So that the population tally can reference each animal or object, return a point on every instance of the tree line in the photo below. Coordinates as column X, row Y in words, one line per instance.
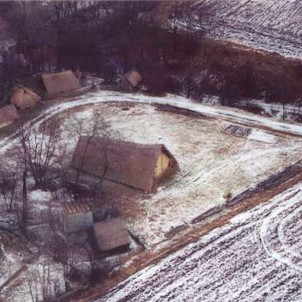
column 164, row 40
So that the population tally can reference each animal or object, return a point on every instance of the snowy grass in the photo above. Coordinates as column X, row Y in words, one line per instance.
column 212, row 164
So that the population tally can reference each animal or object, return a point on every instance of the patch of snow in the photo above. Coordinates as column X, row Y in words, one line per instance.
column 262, row 136
column 40, row 195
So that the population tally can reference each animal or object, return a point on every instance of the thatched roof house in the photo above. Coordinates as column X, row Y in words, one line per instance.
column 60, row 82
column 111, row 234
column 76, row 216
column 136, row 166
column 8, row 114
column 132, row 78
column 23, row 97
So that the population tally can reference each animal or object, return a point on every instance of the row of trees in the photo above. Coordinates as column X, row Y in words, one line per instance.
column 162, row 39
column 97, row 36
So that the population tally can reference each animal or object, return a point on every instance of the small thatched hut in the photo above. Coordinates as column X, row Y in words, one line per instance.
column 111, row 234
column 76, row 216
column 132, row 79
column 136, row 166
column 8, row 114
column 60, row 82
column 23, row 97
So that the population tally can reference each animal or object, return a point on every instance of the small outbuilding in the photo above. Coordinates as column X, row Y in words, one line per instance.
column 76, row 216
column 136, row 166
column 8, row 114
column 111, row 234
column 60, row 82
column 23, row 97
column 132, row 79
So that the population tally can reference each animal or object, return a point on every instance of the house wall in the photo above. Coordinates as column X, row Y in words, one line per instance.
column 162, row 164
column 77, row 221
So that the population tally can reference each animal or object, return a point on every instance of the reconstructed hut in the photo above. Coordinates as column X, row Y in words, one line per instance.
column 76, row 216
column 111, row 234
column 8, row 114
column 137, row 166
column 60, row 82
column 132, row 79
column 23, row 97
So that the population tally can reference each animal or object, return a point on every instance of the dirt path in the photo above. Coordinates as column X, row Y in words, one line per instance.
column 218, row 112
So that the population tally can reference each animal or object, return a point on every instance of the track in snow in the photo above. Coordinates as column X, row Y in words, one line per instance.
column 255, row 258
column 231, row 114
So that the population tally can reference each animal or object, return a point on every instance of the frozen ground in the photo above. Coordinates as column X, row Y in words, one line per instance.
column 270, row 25
column 257, row 257
column 213, row 165
column 38, row 281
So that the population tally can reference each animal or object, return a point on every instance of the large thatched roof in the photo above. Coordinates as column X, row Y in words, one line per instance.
column 111, row 234
column 8, row 114
column 60, row 82
column 122, row 162
column 23, row 97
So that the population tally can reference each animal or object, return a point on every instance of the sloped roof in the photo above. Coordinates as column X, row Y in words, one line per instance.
column 118, row 161
column 8, row 114
column 134, row 77
column 60, row 82
column 23, row 97
column 111, row 234
column 76, row 207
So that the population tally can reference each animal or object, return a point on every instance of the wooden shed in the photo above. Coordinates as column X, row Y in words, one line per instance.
column 76, row 216
column 60, row 82
column 111, row 234
column 137, row 166
column 8, row 114
column 132, row 79
column 23, row 97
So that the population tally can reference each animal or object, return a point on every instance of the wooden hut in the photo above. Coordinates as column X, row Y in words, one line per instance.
column 23, row 97
column 131, row 79
column 76, row 217
column 60, row 82
column 111, row 234
column 8, row 114
column 137, row 166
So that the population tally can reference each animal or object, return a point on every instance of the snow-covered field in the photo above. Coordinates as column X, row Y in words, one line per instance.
column 270, row 25
column 257, row 257
column 213, row 165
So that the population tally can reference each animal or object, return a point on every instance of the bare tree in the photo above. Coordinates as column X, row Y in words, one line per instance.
column 37, row 149
column 31, row 22
column 9, row 176
column 98, row 129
